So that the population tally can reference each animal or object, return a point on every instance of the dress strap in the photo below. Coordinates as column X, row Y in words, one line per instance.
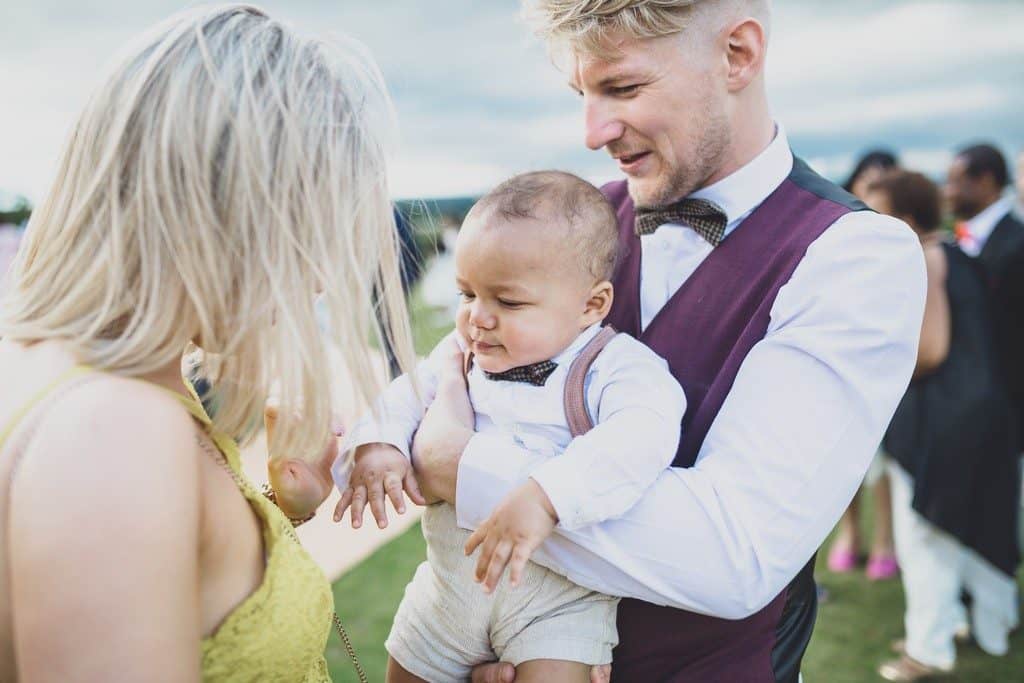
column 19, row 415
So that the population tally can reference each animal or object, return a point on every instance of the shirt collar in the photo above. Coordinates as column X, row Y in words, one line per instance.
column 982, row 225
column 577, row 345
column 742, row 191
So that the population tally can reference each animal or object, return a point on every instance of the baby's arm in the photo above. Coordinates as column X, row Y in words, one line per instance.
column 375, row 461
column 601, row 474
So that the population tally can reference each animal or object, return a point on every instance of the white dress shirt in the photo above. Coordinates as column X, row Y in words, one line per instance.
column 632, row 397
column 792, row 440
column 981, row 226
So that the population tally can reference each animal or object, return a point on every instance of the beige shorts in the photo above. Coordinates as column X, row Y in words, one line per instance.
column 446, row 624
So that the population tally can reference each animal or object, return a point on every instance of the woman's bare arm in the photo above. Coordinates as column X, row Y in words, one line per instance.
column 936, row 326
column 104, row 540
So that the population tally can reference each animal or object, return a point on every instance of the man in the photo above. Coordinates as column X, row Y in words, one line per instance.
column 788, row 311
column 1020, row 186
column 988, row 230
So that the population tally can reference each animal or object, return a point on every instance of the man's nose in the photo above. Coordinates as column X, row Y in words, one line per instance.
column 602, row 127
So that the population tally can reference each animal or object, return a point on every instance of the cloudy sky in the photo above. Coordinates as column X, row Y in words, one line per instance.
column 478, row 100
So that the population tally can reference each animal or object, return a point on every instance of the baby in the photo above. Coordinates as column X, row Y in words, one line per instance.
column 533, row 262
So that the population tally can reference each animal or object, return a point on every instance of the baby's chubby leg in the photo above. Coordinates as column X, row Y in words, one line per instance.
column 544, row 670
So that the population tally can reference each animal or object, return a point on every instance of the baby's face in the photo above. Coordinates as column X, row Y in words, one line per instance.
column 523, row 299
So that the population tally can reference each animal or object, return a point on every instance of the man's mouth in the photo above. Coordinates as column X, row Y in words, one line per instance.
column 631, row 162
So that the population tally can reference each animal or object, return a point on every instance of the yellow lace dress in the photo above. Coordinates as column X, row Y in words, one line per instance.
column 280, row 631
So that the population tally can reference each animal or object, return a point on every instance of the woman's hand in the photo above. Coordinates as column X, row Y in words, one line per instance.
column 300, row 487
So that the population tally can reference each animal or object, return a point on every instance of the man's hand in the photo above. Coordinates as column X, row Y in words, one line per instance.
column 380, row 470
column 509, row 536
column 445, row 430
column 300, row 487
column 503, row 672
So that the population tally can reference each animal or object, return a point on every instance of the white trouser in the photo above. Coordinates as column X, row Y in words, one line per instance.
column 935, row 568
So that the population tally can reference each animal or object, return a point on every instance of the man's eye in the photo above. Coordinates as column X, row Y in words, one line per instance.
column 624, row 90
column 467, row 296
column 510, row 304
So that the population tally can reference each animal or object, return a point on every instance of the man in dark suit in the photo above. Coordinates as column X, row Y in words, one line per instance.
column 988, row 231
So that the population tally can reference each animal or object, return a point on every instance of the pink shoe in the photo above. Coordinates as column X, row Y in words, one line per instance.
column 882, row 567
column 842, row 561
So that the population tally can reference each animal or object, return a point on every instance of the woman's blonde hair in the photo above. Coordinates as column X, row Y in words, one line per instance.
column 226, row 171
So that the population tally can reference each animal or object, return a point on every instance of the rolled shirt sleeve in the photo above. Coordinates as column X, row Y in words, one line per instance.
column 785, row 454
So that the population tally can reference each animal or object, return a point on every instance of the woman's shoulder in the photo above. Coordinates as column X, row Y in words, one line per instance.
column 111, row 431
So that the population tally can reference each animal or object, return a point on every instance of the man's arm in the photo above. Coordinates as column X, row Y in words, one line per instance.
column 787, row 451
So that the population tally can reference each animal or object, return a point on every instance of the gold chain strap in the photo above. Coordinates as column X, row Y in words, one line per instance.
column 218, row 457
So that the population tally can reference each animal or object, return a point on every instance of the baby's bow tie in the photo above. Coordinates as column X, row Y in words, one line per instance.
column 536, row 374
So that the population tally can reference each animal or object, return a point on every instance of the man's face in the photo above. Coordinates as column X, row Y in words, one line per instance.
column 966, row 196
column 659, row 109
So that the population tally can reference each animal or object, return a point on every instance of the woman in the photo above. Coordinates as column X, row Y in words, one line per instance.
column 844, row 554
column 955, row 463
column 226, row 172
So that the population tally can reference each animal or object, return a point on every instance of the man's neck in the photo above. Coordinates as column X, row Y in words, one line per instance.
column 750, row 136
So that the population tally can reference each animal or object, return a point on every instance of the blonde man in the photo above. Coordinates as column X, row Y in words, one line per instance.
column 789, row 313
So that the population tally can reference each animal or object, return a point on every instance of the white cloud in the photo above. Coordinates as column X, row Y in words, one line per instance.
column 873, row 112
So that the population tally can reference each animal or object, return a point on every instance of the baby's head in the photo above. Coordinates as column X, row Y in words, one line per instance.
column 533, row 262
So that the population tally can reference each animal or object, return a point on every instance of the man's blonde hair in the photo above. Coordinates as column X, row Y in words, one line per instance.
column 585, row 25
column 589, row 26
column 225, row 172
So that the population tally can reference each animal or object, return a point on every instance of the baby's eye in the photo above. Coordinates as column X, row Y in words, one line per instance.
column 624, row 90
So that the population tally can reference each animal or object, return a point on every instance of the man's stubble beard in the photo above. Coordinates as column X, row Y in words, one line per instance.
column 686, row 176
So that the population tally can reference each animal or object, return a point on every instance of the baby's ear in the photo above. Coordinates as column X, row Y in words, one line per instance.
column 599, row 302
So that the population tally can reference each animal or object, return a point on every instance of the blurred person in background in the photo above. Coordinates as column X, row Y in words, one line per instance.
column 987, row 229
column 844, row 554
column 209, row 190
column 952, row 440
column 1020, row 186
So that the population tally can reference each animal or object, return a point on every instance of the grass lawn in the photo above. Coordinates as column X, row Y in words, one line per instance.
column 852, row 636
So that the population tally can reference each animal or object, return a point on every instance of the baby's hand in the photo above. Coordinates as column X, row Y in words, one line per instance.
column 380, row 469
column 509, row 536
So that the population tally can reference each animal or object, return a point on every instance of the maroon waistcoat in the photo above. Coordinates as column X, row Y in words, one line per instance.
column 704, row 332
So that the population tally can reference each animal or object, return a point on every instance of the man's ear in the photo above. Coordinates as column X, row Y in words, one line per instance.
column 599, row 303
column 746, row 46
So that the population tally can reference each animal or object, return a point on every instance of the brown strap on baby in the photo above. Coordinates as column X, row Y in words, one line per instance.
column 575, row 398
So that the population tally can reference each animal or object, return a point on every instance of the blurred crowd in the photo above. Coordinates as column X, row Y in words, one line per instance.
column 947, row 479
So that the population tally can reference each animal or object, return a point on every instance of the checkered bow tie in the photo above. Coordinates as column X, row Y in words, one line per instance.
column 705, row 217
column 536, row 374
